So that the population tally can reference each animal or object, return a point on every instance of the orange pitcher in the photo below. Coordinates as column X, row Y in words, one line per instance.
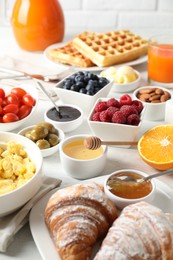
column 37, row 23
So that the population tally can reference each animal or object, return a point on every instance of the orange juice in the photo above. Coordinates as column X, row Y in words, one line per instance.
column 160, row 63
column 37, row 23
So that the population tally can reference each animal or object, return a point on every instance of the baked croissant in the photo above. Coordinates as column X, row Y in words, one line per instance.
column 76, row 217
column 142, row 232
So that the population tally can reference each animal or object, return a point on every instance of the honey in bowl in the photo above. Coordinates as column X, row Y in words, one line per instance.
column 77, row 150
column 130, row 189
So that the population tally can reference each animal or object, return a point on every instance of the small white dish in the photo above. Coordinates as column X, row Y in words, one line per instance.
column 153, row 111
column 48, row 151
column 125, row 87
column 65, row 126
column 79, row 168
column 121, row 202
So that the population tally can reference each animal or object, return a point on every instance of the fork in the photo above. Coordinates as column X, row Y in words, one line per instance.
column 24, row 75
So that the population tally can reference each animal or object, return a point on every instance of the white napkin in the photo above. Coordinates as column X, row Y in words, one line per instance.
column 9, row 225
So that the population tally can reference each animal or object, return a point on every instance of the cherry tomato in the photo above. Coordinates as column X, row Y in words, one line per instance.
column 2, row 93
column 13, row 99
column 1, row 101
column 10, row 108
column 28, row 100
column 1, row 119
column 9, row 117
column 1, row 110
column 24, row 111
column 20, row 92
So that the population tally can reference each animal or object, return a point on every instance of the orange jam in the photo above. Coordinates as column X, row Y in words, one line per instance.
column 160, row 63
column 130, row 189
column 77, row 150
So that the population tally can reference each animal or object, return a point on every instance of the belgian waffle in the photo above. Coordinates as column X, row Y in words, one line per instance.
column 68, row 54
column 111, row 48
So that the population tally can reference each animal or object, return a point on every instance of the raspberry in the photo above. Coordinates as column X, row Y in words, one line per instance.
column 100, row 106
column 112, row 102
column 104, row 117
column 118, row 117
column 133, row 119
column 111, row 110
column 125, row 100
column 128, row 110
column 96, row 116
column 138, row 104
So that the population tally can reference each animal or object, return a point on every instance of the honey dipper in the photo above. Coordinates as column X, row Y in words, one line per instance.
column 94, row 142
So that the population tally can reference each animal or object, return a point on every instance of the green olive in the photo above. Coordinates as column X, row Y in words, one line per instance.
column 39, row 132
column 52, row 139
column 29, row 135
column 49, row 126
column 43, row 144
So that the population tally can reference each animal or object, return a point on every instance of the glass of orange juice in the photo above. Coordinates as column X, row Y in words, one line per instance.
column 160, row 60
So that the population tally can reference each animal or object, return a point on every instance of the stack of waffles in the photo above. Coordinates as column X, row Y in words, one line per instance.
column 105, row 49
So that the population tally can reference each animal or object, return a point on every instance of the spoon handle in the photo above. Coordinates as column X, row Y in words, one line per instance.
column 157, row 175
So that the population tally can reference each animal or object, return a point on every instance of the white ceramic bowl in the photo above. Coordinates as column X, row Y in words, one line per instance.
column 30, row 89
column 123, row 202
column 126, row 87
column 15, row 199
column 81, row 169
column 49, row 151
column 113, row 131
column 153, row 111
column 84, row 101
column 66, row 126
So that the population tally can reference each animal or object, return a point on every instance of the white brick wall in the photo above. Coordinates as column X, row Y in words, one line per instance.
column 141, row 16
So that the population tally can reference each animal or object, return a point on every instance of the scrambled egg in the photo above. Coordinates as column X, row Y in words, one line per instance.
column 16, row 168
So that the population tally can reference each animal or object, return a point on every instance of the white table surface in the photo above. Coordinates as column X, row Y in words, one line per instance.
column 23, row 247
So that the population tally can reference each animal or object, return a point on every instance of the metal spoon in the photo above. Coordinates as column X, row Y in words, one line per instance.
column 131, row 179
column 47, row 94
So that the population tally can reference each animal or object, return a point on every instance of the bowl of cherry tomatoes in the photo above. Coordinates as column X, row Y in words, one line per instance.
column 17, row 105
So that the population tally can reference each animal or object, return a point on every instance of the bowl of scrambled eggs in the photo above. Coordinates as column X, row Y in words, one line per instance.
column 20, row 171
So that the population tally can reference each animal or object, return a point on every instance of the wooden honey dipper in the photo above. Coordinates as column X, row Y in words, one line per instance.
column 94, row 142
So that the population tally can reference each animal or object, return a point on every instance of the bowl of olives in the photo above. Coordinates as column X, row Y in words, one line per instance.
column 45, row 136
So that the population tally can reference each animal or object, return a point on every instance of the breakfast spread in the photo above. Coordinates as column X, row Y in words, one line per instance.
column 130, row 189
column 76, row 149
column 77, row 217
column 85, row 83
column 44, row 135
column 110, row 48
column 16, row 168
column 67, row 114
column 153, row 95
column 123, row 111
column 68, row 54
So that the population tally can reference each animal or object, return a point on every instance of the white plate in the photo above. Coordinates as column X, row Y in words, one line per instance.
column 138, row 61
column 45, row 245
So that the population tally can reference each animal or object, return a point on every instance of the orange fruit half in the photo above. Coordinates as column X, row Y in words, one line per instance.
column 156, row 147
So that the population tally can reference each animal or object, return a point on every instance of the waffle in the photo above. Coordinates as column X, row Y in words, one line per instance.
column 68, row 54
column 111, row 48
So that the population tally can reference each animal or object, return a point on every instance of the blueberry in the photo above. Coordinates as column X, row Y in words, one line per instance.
column 79, row 78
column 80, row 84
column 83, row 90
column 90, row 93
column 90, row 88
column 103, row 81
column 74, row 87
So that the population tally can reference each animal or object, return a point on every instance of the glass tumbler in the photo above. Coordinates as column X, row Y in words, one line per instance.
column 160, row 60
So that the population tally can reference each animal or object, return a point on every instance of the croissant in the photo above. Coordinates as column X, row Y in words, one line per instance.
column 142, row 232
column 77, row 216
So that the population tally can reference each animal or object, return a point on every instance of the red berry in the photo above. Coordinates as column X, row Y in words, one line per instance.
column 119, row 118
column 125, row 100
column 138, row 104
column 128, row 110
column 111, row 111
column 96, row 116
column 104, row 117
column 112, row 102
column 133, row 119
column 100, row 106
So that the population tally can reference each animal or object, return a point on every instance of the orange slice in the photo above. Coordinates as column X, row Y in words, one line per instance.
column 156, row 147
